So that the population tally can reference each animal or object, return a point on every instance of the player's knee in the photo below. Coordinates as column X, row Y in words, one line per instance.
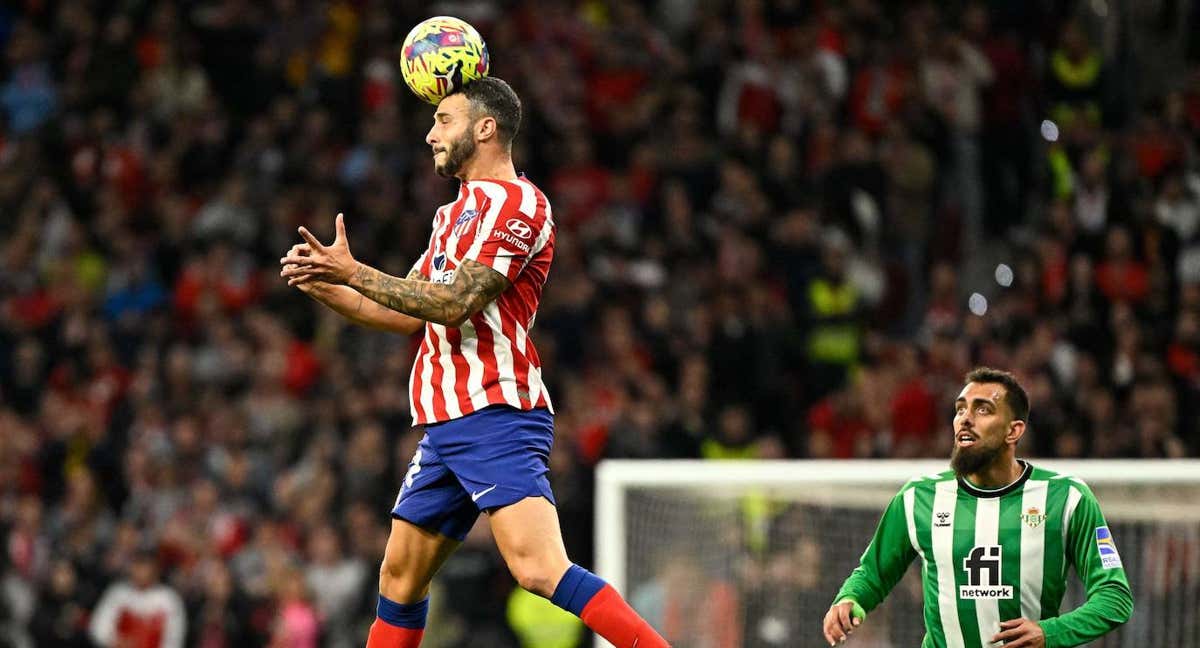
column 390, row 570
column 534, row 578
column 397, row 583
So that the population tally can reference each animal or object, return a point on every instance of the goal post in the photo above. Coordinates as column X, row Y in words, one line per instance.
column 746, row 534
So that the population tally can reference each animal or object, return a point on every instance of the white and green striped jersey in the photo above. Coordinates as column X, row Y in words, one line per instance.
column 993, row 555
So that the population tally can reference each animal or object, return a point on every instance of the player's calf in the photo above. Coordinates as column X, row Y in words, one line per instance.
column 528, row 537
column 602, row 609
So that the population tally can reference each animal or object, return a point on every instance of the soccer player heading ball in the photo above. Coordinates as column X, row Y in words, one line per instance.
column 995, row 535
column 476, row 383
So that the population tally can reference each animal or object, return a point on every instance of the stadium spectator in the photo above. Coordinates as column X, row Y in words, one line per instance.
column 139, row 611
column 337, row 583
column 63, row 609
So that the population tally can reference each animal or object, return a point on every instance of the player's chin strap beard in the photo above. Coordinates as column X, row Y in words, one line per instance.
column 966, row 461
column 459, row 152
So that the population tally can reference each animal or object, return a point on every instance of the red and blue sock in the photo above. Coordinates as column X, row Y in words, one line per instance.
column 602, row 609
column 398, row 625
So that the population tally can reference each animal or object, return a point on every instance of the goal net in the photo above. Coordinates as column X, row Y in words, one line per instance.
column 750, row 554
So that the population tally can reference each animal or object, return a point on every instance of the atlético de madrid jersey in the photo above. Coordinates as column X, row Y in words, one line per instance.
column 489, row 360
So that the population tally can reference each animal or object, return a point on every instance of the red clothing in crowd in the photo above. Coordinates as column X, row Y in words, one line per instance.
column 1126, row 281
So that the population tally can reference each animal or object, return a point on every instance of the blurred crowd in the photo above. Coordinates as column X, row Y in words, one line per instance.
column 786, row 229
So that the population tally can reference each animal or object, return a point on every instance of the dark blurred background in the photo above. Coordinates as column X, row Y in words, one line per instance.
column 786, row 229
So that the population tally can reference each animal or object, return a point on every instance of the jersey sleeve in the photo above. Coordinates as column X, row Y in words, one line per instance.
column 419, row 265
column 884, row 562
column 507, row 236
column 1090, row 547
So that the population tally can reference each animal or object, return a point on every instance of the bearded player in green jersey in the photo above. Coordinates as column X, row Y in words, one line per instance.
column 995, row 536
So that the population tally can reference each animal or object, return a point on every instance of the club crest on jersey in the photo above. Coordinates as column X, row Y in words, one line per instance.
column 463, row 222
column 1109, row 558
column 439, row 262
column 1033, row 517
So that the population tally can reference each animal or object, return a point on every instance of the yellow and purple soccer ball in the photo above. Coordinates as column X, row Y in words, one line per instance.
column 441, row 55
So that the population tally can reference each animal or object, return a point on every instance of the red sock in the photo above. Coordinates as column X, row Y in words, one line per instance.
column 386, row 635
column 609, row 616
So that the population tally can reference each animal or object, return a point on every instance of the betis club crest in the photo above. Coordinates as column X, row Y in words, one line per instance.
column 1033, row 517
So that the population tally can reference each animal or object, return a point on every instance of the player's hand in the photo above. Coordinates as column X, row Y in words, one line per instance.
column 839, row 623
column 304, row 282
column 331, row 263
column 1020, row 633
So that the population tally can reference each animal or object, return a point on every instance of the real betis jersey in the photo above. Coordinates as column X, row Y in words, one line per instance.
column 993, row 555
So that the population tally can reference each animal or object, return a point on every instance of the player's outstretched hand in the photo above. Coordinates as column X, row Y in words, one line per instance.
column 1020, row 633
column 331, row 263
column 840, row 622
column 303, row 281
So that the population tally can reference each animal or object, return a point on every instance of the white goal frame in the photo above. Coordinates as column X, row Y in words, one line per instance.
column 615, row 477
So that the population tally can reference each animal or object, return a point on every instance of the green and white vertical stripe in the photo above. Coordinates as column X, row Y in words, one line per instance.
column 945, row 498
column 1033, row 550
column 1018, row 521
column 992, row 556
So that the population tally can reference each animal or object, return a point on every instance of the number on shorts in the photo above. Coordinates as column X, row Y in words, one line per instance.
column 414, row 467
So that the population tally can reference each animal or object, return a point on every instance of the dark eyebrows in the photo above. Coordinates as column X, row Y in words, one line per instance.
column 976, row 401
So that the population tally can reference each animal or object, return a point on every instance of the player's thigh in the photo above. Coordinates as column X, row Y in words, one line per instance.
column 431, row 516
column 413, row 555
column 500, row 455
column 431, row 496
column 530, row 540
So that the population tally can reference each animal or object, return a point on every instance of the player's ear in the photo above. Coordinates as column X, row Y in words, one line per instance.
column 485, row 128
column 1016, row 430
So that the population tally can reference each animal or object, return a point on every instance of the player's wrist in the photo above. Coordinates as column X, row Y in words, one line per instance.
column 354, row 280
column 318, row 290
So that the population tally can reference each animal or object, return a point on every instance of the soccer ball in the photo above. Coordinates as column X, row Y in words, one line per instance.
column 440, row 55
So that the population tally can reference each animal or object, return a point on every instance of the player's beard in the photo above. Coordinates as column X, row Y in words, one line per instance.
column 459, row 151
column 972, row 460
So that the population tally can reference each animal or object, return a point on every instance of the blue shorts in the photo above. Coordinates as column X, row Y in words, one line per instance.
column 491, row 458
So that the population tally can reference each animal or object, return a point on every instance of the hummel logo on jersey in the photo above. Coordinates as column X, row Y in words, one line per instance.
column 982, row 565
column 519, row 227
column 943, row 519
column 477, row 494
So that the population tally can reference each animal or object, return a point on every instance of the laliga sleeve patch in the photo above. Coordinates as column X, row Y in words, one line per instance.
column 1109, row 558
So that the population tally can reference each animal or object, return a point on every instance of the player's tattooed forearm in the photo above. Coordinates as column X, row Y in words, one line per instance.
column 477, row 285
column 416, row 275
column 473, row 287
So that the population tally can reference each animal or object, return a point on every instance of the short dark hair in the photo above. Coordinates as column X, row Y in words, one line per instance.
column 1014, row 393
column 492, row 96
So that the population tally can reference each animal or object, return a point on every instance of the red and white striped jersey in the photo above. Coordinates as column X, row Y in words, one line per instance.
column 489, row 360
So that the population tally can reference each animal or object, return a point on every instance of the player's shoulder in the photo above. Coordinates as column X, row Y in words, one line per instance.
column 930, row 480
column 515, row 195
column 1064, row 479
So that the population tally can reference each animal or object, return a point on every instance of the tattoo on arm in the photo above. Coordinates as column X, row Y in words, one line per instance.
column 477, row 285
column 474, row 286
